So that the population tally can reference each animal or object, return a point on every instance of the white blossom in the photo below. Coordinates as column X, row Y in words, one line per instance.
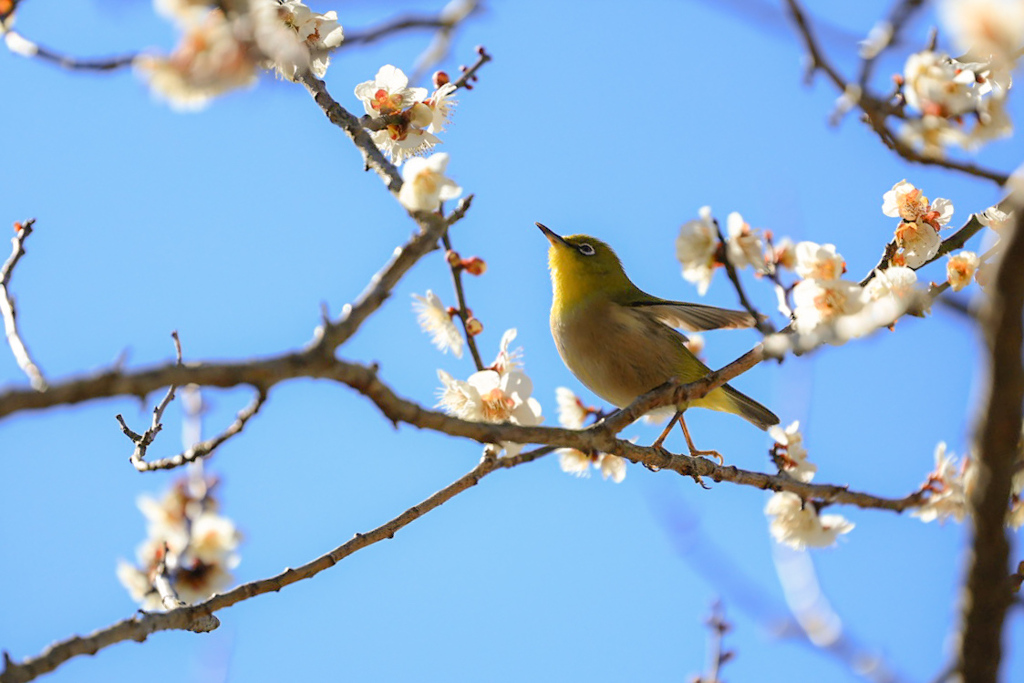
column 612, row 467
column 425, row 185
column 948, row 489
column 435, row 320
column 388, row 92
column 441, row 106
column 571, row 412
column 918, row 241
column 823, row 301
column 794, row 454
column 574, row 462
column 744, row 244
column 818, row 261
column 695, row 248
column 960, row 268
column 799, row 525
column 995, row 218
column 987, row 29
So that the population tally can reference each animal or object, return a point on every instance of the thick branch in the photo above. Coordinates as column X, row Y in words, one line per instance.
column 988, row 591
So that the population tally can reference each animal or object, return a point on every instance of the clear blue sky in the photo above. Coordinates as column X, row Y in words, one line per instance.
column 232, row 225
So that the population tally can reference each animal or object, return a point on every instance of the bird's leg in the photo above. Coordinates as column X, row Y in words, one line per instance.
column 671, row 423
column 693, row 449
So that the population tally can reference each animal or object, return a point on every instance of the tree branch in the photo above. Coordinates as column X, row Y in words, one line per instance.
column 7, row 309
column 988, row 593
column 141, row 626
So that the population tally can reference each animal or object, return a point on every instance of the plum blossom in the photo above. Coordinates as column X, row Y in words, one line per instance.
column 572, row 461
column 818, row 302
column 798, row 524
column 571, row 412
column 791, row 451
column 960, row 268
column 744, row 245
column 426, row 185
column 947, row 485
column 818, row 261
column 696, row 247
column 435, row 320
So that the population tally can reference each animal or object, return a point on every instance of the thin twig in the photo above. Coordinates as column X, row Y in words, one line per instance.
column 763, row 323
column 204, row 448
column 470, row 73
column 9, row 313
column 144, row 440
column 19, row 44
column 463, row 309
column 392, row 26
column 140, row 627
column 877, row 110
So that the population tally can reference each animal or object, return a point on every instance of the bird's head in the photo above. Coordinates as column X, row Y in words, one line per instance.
column 583, row 266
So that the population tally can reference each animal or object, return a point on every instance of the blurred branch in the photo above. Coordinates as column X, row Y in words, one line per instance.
column 21, row 45
column 202, row 449
column 876, row 110
column 393, row 26
column 900, row 14
column 200, row 615
column 143, row 441
column 717, row 654
column 9, row 313
column 988, row 588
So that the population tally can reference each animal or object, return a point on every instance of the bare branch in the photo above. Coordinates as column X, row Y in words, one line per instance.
column 140, row 627
column 143, row 441
column 764, row 325
column 21, row 45
column 9, row 313
column 205, row 448
column 393, row 26
column 877, row 110
column 988, row 588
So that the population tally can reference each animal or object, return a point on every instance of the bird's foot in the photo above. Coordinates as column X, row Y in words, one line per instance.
column 694, row 453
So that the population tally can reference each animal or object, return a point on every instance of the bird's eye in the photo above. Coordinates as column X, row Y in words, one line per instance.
column 586, row 249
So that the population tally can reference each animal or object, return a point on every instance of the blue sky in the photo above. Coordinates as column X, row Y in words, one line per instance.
column 232, row 225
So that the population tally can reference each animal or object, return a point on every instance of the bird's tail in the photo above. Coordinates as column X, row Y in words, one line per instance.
column 747, row 408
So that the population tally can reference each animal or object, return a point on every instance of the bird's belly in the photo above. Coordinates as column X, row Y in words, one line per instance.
column 616, row 356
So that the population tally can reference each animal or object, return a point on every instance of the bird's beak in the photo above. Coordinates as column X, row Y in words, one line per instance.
column 552, row 236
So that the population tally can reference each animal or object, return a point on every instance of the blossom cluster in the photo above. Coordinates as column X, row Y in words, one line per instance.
column 950, row 484
column 572, row 414
column 700, row 251
column 794, row 522
column 224, row 48
column 950, row 93
column 187, row 537
column 499, row 393
column 410, row 118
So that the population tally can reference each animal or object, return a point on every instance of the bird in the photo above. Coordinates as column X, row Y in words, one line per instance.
column 620, row 341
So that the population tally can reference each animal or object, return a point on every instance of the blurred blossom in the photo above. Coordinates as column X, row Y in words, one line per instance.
column 995, row 218
column 783, row 254
column 793, row 453
column 425, row 185
column 818, row 261
column 948, row 489
column 960, row 268
column 578, row 463
column 200, row 547
column 695, row 248
column 992, row 30
column 316, row 34
column 799, row 525
column 571, row 411
column 744, row 245
column 435, row 320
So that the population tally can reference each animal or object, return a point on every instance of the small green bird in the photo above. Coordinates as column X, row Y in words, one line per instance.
column 619, row 340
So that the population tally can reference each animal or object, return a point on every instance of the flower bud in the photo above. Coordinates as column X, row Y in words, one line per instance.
column 453, row 258
column 475, row 265
column 474, row 327
column 440, row 78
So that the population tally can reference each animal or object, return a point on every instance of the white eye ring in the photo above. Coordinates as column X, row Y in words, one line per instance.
column 586, row 249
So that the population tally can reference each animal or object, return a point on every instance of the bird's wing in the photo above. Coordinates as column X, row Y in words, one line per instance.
column 694, row 317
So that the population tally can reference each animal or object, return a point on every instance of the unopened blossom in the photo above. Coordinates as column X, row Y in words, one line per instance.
column 209, row 61
column 388, row 92
column 571, row 412
column 696, row 246
column 818, row 261
column 947, row 485
column 744, row 245
column 426, row 185
column 794, row 455
column 960, row 268
column 918, row 241
column 818, row 302
column 878, row 39
column 799, row 525
column 435, row 320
